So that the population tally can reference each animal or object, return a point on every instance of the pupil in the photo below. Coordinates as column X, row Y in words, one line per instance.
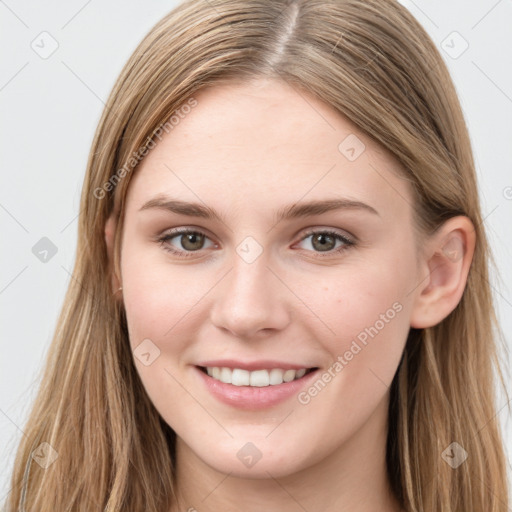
column 321, row 239
column 192, row 241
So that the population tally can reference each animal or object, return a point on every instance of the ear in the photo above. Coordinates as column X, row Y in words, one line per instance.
column 110, row 231
column 446, row 263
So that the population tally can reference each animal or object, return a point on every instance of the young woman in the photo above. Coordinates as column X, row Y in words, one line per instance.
column 280, row 299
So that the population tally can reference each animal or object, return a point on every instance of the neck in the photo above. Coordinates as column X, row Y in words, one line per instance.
column 352, row 478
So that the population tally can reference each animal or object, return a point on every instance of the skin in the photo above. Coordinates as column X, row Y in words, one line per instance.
column 247, row 150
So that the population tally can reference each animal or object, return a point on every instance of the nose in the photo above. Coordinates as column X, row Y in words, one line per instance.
column 251, row 300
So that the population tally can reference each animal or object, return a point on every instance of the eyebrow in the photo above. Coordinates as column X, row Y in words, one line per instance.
column 292, row 211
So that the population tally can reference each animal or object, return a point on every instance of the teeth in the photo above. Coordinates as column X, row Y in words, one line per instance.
column 257, row 378
column 240, row 377
column 225, row 375
column 300, row 373
column 276, row 376
column 289, row 375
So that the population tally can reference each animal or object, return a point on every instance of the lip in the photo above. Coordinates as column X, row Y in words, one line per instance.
column 254, row 365
column 254, row 398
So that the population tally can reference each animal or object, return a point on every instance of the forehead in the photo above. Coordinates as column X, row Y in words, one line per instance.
column 252, row 145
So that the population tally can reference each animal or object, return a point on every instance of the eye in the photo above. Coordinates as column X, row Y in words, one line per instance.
column 188, row 240
column 324, row 241
column 191, row 240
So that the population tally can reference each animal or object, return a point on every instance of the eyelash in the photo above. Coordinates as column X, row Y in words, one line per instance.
column 348, row 243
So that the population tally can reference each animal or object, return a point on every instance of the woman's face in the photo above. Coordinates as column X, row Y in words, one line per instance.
column 300, row 255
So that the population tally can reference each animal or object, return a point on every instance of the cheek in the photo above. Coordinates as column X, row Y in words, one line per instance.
column 158, row 296
column 369, row 317
column 159, row 304
column 351, row 298
column 367, row 309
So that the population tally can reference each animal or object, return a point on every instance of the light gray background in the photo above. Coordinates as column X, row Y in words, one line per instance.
column 50, row 109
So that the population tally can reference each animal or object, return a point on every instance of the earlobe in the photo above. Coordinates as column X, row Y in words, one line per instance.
column 110, row 231
column 448, row 259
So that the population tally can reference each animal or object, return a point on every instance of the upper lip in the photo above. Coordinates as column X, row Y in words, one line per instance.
column 253, row 365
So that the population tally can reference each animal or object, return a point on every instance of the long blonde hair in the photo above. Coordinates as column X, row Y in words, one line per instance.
column 371, row 61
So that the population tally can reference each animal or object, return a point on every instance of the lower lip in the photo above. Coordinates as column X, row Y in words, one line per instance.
column 253, row 398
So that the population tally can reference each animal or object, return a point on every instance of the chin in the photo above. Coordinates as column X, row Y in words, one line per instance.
column 258, row 458
column 264, row 468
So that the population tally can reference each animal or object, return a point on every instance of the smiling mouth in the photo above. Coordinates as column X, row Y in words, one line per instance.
column 256, row 378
